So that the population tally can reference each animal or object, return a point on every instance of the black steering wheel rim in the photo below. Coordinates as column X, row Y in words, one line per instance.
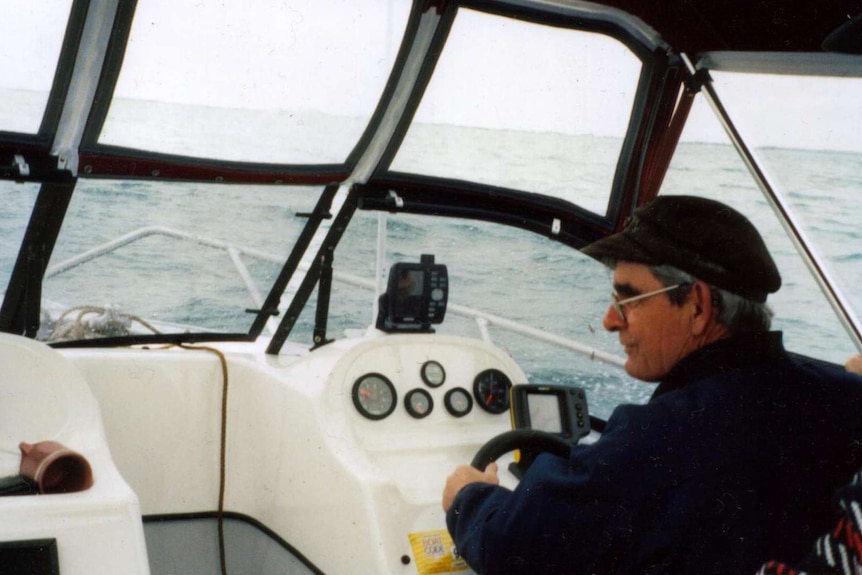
column 524, row 439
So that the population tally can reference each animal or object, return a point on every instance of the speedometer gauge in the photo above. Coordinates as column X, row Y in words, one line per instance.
column 491, row 389
column 374, row 396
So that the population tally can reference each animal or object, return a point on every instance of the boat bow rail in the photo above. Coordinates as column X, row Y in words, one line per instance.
column 483, row 319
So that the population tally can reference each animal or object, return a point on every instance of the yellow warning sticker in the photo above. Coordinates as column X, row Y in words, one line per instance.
column 434, row 552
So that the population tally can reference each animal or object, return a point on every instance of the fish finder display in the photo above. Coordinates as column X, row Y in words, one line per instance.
column 557, row 409
column 544, row 411
column 415, row 298
column 408, row 294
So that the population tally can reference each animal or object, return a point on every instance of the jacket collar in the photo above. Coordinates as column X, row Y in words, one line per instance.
column 721, row 356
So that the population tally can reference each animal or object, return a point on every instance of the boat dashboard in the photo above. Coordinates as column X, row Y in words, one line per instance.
column 416, row 405
column 350, row 443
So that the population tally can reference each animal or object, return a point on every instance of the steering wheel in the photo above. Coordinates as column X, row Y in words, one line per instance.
column 523, row 439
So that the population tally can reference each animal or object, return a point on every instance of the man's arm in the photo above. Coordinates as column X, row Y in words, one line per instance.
column 564, row 511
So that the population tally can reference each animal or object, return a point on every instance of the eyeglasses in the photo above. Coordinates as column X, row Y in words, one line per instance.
column 619, row 303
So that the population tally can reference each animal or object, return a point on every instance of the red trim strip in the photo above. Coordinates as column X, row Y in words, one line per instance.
column 114, row 165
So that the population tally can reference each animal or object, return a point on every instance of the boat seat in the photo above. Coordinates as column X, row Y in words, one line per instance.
column 44, row 397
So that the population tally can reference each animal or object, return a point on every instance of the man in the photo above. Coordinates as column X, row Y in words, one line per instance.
column 732, row 461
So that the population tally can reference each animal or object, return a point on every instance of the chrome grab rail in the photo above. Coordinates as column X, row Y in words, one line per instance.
column 482, row 319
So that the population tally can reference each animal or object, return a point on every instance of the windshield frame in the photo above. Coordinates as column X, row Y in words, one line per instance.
column 552, row 217
column 366, row 173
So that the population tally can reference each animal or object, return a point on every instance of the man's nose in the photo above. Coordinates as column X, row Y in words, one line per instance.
column 612, row 320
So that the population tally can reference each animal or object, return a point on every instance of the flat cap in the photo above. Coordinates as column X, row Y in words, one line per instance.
column 708, row 239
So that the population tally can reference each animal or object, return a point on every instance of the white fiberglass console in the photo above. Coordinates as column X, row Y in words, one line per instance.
column 43, row 397
column 340, row 453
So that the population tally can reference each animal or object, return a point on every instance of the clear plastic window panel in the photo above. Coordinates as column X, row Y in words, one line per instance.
column 805, row 131
column 31, row 34
column 540, row 286
column 820, row 185
column 17, row 201
column 254, row 81
column 525, row 106
column 146, row 257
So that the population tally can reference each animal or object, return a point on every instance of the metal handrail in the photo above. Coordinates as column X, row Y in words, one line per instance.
column 482, row 319
column 779, row 204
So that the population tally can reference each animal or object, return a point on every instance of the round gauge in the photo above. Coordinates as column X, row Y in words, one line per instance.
column 433, row 374
column 491, row 388
column 418, row 403
column 458, row 402
column 374, row 396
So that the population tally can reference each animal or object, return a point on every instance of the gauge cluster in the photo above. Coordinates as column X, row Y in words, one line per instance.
column 445, row 381
column 410, row 407
column 375, row 396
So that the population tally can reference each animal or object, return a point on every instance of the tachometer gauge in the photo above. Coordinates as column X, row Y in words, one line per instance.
column 491, row 389
column 433, row 374
column 374, row 396
column 458, row 402
column 418, row 403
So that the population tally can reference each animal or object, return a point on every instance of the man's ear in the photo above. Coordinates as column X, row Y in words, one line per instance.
column 700, row 299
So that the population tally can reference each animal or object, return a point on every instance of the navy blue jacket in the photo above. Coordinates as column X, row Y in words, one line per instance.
column 732, row 461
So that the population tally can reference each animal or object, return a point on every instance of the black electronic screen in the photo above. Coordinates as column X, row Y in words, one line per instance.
column 415, row 297
column 557, row 409
column 545, row 412
column 409, row 295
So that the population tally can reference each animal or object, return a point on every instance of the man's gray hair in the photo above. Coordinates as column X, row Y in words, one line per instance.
column 738, row 314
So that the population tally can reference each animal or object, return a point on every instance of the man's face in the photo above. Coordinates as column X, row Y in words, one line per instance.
column 655, row 334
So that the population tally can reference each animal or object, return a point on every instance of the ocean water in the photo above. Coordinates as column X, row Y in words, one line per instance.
column 499, row 270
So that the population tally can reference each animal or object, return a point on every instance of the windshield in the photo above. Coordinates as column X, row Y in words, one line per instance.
column 235, row 88
column 539, row 300
column 142, row 257
column 527, row 107
column 811, row 150
column 139, row 252
column 18, row 201
column 813, row 155
column 28, row 28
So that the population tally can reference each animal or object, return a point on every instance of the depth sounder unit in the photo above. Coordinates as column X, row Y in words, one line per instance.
column 559, row 410
column 415, row 297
